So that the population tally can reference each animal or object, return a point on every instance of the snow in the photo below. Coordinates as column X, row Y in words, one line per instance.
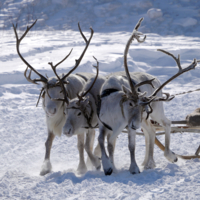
column 186, row 22
column 154, row 13
column 22, row 125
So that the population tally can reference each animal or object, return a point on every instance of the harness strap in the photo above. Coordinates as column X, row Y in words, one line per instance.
column 105, row 93
column 98, row 112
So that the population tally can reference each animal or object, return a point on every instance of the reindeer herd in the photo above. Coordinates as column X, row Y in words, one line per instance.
column 77, row 104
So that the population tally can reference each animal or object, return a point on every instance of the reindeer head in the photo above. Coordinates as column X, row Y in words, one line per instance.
column 134, row 103
column 52, row 87
column 80, row 112
column 51, row 90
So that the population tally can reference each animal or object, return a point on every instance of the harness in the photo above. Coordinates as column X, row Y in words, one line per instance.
column 106, row 93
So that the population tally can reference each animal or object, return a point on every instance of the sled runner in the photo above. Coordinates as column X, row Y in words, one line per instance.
column 191, row 125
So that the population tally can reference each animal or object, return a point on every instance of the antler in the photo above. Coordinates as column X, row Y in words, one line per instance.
column 60, row 82
column 167, row 97
column 18, row 41
column 147, row 100
column 136, row 35
column 80, row 58
column 84, row 93
column 144, row 83
column 181, row 70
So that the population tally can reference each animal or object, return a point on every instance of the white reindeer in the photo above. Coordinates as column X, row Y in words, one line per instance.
column 81, row 118
column 54, row 110
column 128, row 100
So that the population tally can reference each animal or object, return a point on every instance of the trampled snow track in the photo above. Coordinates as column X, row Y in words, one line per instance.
column 23, row 131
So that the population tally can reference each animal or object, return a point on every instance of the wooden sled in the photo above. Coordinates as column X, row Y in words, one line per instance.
column 177, row 127
column 180, row 127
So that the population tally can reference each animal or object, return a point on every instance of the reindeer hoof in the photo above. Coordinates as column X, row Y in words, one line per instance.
column 46, row 168
column 44, row 172
column 138, row 172
column 134, row 169
column 150, row 165
column 171, row 156
column 135, row 172
column 82, row 170
column 176, row 159
column 108, row 172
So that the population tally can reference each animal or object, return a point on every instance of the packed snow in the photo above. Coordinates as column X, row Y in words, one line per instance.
column 170, row 25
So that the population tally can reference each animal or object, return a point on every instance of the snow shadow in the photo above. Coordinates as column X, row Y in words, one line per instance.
column 122, row 176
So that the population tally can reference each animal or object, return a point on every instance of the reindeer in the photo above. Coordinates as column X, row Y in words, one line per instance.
column 81, row 117
column 54, row 110
column 129, row 100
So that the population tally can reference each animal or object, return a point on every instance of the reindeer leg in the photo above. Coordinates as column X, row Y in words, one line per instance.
column 107, row 165
column 89, row 148
column 149, row 133
column 89, row 143
column 159, row 116
column 46, row 166
column 166, row 123
column 168, row 153
column 146, row 151
column 134, row 169
column 111, row 147
column 97, row 151
column 80, row 145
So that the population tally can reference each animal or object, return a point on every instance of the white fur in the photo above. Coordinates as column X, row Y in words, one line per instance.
column 134, row 117
column 56, row 123
column 54, row 110
column 76, row 122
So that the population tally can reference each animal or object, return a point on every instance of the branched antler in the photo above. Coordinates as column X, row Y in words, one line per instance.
column 80, row 58
column 80, row 97
column 181, row 70
column 135, row 34
column 144, row 83
column 169, row 97
column 145, row 101
column 18, row 41
column 59, row 82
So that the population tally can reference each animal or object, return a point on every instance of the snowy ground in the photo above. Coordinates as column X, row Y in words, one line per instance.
column 23, row 130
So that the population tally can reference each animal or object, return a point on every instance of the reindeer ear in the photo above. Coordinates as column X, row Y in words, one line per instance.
column 126, row 90
column 87, row 110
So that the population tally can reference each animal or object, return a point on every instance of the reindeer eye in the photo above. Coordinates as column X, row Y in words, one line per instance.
column 79, row 114
column 130, row 104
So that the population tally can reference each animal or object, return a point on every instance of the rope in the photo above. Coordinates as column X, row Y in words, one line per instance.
column 190, row 91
